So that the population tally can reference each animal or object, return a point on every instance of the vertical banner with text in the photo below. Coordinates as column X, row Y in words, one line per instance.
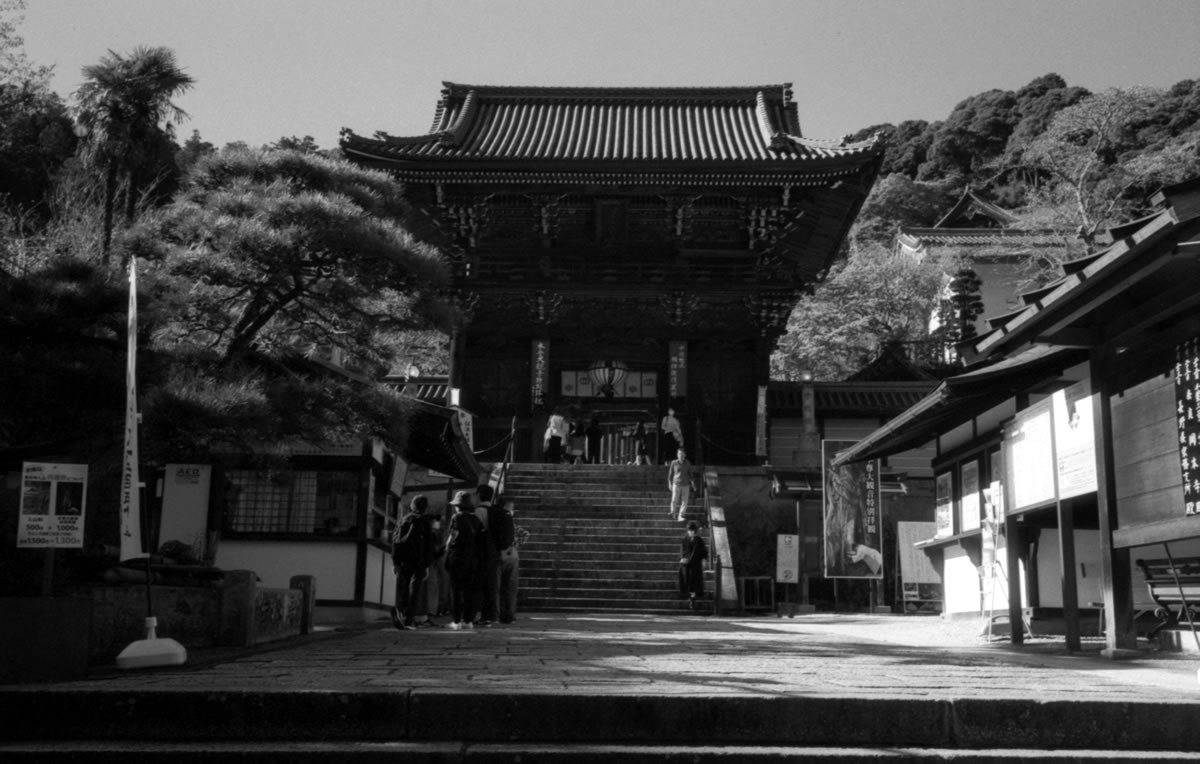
column 1187, row 412
column 677, row 362
column 131, row 511
column 853, row 525
column 539, row 367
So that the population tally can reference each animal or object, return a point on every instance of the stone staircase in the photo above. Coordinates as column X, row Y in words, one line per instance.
column 601, row 539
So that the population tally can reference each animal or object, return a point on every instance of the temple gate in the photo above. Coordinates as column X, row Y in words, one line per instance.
column 621, row 251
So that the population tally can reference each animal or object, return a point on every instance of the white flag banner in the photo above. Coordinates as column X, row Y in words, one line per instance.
column 131, row 515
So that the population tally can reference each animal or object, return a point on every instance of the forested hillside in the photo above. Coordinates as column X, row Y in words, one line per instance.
column 1061, row 158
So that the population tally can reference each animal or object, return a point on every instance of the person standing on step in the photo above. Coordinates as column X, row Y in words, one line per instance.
column 413, row 549
column 642, row 457
column 555, row 437
column 508, row 539
column 672, row 434
column 679, row 483
column 595, row 434
column 692, row 554
column 462, row 560
column 489, row 559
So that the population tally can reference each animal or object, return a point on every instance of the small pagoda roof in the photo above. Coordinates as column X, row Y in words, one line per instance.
column 973, row 222
column 573, row 128
column 971, row 209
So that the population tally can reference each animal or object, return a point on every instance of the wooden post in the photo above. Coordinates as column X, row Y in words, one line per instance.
column 1012, row 549
column 1116, row 578
column 1066, row 558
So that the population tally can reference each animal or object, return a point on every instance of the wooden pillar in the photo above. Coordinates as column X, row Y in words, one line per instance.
column 457, row 355
column 1012, row 550
column 1066, row 559
column 1116, row 579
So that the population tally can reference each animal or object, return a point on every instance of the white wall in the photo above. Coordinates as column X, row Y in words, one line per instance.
column 275, row 562
column 963, row 585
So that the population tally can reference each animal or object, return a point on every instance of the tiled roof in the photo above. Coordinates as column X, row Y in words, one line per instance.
column 971, row 202
column 735, row 126
column 868, row 399
column 915, row 237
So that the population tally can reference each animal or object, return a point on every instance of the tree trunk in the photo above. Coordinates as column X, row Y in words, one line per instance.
column 110, row 194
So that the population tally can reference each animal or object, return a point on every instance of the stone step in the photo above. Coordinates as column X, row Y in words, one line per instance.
column 142, row 724
column 587, row 569
column 602, row 558
column 438, row 752
column 632, row 586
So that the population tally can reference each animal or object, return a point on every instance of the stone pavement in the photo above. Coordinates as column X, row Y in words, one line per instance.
column 819, row 654
column 855, row 682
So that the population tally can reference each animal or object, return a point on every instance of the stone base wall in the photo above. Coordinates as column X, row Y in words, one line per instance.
column 234, row 612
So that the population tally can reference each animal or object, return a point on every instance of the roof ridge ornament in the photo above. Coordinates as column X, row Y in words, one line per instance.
column 454, row 134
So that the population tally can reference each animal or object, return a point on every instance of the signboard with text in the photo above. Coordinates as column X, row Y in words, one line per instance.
column 539, row 365
column 1187, row 411
column 853, row 526
column 787, row 558
column 52, row 505
column 677, row 369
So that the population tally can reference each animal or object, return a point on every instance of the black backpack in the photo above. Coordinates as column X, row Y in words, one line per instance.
column 500, row 527
column 462, row 544
column 408, row 540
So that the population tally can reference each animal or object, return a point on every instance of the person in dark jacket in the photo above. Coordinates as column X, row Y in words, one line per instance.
column 413, row 551
column 463, row 552
column 692, row 554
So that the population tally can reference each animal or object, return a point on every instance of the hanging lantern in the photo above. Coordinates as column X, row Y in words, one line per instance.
column 607, row 375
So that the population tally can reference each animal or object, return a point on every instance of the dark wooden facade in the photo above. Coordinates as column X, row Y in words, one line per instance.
column 669, row 229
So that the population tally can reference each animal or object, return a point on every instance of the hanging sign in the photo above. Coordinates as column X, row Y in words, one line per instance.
column 539, row 365
column 943, row 512
column 1074, row 441
column 52, row 505
column 1187, row 416
column 1030, row 470
column 853, row 527
column 760, row 423
column 677, row 369
column 787, row 558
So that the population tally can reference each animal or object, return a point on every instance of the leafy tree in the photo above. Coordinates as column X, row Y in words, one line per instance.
column 873, row 299
column 121, row 110
column 268, row 258
column 897, row 201
column 974, row 135
column 60, row 329
column 307, row 144
column 1086, row 155
column 192, row 151
column 36, row 134
column 965, row 302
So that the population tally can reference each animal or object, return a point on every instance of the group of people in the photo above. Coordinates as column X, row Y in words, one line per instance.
column 479, row 558
column 571, row 441
column 481, row 561
column 574, row 442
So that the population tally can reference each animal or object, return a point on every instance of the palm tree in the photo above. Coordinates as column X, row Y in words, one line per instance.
column 120, row 109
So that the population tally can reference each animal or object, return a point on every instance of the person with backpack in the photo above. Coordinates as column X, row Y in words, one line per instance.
column 463, row 546
column 413, row 549
column 508, row 538
column 489, row 559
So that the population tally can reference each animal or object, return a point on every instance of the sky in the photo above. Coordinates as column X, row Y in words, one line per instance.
column 265, row 69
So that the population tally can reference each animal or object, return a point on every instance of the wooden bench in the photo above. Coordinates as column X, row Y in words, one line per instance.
column 1175, row 589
